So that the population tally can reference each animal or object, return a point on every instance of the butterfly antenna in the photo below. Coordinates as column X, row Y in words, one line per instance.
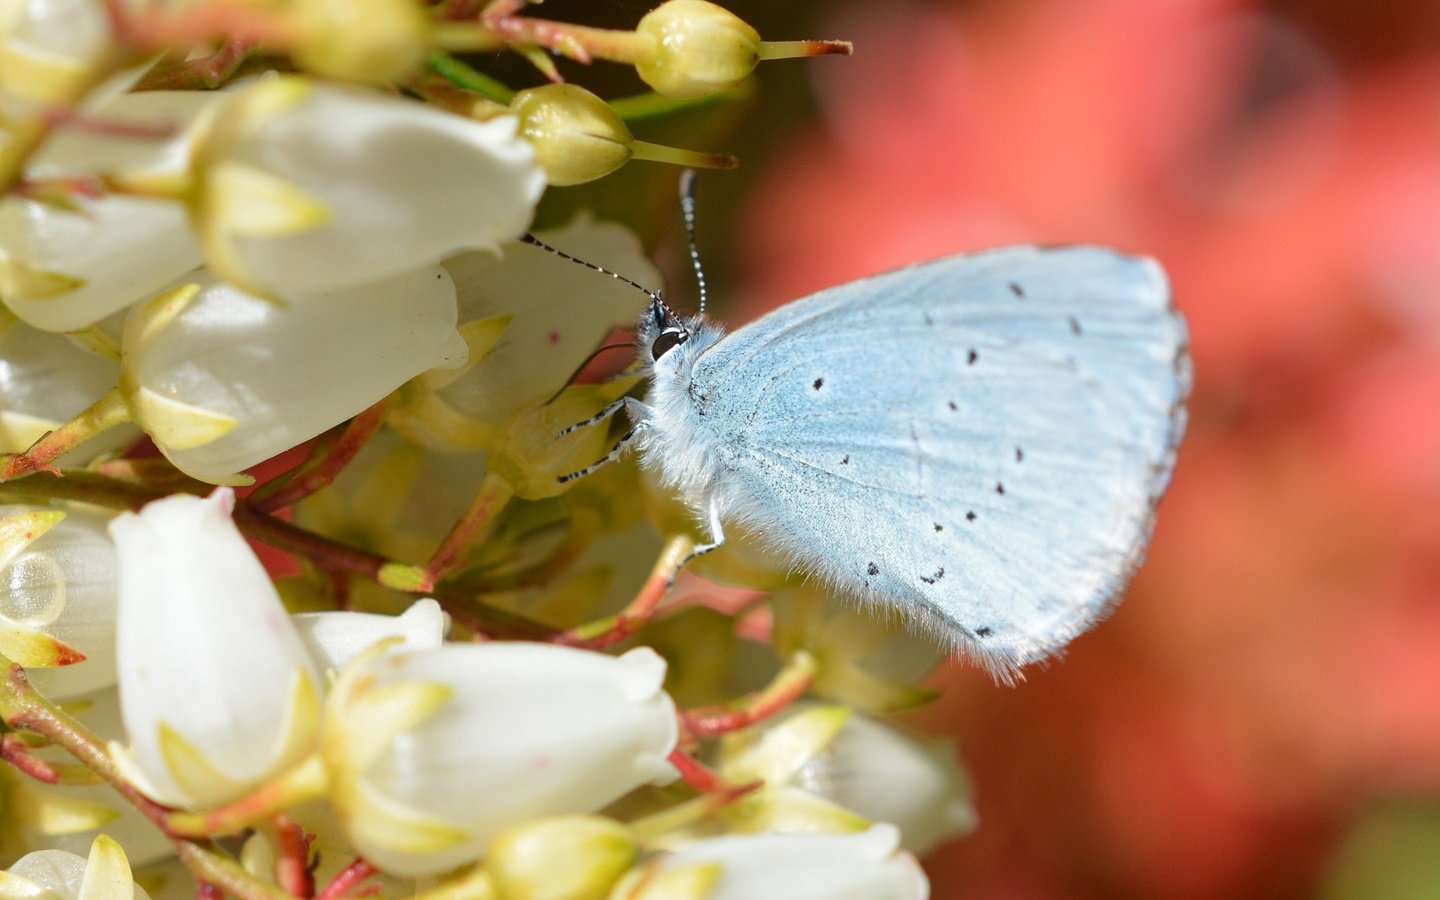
column 687, row 209
column 536, row 242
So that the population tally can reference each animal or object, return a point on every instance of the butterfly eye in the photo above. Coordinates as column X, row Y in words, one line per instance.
column 667, row 341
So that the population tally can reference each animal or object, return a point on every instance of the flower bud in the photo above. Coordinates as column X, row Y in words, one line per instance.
column 58, row 875
column 377, row 41
column 216, row 689
column 698, row 48
column 577, row 137
column 57, row 583
column 574, row 857
column 214, row 375
column 305, row 187
column 65, row 269
column 791, row 867
column 413, row 738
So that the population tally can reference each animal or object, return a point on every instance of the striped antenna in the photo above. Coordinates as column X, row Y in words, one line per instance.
column 536, row 242
column 687, row 208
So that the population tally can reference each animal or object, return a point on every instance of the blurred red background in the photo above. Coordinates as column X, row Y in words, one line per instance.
column 1273, row 679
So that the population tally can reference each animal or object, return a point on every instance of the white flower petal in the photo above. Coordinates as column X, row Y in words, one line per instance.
column 335, row 638
column 269, row 375
column 205, row 647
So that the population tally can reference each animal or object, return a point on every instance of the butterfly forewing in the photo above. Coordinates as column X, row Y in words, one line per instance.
column 978, row 442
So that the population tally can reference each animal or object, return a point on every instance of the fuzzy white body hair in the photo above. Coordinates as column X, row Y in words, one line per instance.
column 977, row 444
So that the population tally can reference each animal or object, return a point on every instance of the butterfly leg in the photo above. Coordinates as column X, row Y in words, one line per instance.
column 637, row 411
column 717, row 538
column 613, row 455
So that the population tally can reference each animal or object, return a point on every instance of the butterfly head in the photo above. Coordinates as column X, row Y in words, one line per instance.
column 660, row 331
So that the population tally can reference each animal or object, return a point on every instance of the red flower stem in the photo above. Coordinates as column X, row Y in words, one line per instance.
column 788, row 684
column 293, row 869
column 89, row 487
column 696, row 774
column 613, row 629
column 14, row 751
column 347, row 880
column 494, row 493
column 320, row 472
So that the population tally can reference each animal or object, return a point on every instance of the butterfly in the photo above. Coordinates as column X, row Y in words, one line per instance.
column 978, row 443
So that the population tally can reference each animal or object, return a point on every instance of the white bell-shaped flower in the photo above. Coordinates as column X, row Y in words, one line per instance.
column 57, row 584
column 59, row 875
column 562, row 311
column 222, row 380
column 335, row 638
column 433, row 752
column 305, row 187
column 867, row 865
column 216, row 687
column 45, row 379
column 889, row 775
column 46, row 46
column 65, row 269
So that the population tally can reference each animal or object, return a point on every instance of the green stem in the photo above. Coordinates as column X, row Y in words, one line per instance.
column 463, row 76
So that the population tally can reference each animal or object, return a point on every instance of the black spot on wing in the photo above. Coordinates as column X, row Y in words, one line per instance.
column 1016, row 289
column 1019, row 455
column 971, row 356
column 819, row 383
column 970, row 516
column 999, row 488
column 984, row 631
column 939, row 574
column 872, row 569
column 939, row 527
column 1074, row 324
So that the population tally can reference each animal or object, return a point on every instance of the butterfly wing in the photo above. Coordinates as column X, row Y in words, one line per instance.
column 978, row 442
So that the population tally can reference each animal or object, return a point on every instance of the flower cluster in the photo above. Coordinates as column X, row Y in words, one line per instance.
column 267, row 282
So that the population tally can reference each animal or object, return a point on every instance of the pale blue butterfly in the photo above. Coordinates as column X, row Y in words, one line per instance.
column 977, row 442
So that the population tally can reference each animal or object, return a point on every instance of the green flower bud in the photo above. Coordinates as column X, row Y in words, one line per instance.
column 577, row 137
column 570, row 857
column 698, row 48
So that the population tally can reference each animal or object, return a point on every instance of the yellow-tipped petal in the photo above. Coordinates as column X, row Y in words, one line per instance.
column 245, row 202
column 107, row 873
column 376, row 820
column 35, row 649
column 375, row 717
column 58, row 812
column 175, row 425
column 158, row 313
column 29, row 283
column 20, row 530
column 480, row 337
column 302, row 719
column 686, row 882
column 191, row 771
column 784, row 748
column 792, row 811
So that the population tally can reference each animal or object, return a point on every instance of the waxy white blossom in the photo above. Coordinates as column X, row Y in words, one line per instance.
column 45, row 379
column 433, row 752
column 306, row 187
column 60, row 875
column 887, row 774
column 58, row 583
column 222, row 379
column 65, row 269
column 867, row 865
column 216, row 687
column 567, row 310
column 335, row 638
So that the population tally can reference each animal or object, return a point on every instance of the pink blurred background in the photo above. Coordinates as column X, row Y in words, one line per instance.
column 1271, row 685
